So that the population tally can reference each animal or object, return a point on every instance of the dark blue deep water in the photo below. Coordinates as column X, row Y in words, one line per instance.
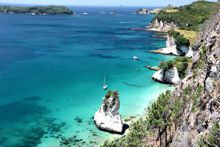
column 52, row 69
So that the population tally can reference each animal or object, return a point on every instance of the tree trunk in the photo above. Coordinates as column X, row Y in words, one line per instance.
column 160, row 137
column 165, row 136
column 170, row 129
column 175, row 125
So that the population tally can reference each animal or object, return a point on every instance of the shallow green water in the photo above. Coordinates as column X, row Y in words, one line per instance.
column 52, row 69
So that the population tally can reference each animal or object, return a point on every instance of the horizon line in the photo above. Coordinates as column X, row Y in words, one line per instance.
column 78, row 5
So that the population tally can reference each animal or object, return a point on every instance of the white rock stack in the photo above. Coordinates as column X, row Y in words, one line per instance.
column 107, row 118
column 170, row 76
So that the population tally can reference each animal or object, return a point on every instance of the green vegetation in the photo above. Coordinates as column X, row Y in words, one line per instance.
column 180, row 40
column 195, row 96
column 37, row 10
column 200, row 64
column 109, row 94
column 162, row 117
column 159, row 119
column 190, row 17
column 181, row 64
column 159, row 115
column 214, row 136
column 138, row 130
column 212, row 139
column 191, row 35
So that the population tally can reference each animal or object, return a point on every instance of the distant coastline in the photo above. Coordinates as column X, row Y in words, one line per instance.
column 36, row 10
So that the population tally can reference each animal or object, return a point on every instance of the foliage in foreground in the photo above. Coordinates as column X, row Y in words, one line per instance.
column 212, row 139
column 138, row 130
column 158, row 118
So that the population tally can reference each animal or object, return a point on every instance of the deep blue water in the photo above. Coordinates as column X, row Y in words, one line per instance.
column 52, row 69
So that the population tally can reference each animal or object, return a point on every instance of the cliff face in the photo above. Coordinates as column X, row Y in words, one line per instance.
column 162, row 26
column 202, row 110
column 170, row 76
column 172, row 49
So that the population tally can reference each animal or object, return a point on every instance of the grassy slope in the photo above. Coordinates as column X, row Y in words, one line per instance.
column 190, row 17
column 191, row 35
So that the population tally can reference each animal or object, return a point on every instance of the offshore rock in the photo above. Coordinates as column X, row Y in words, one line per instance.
column 107, row 118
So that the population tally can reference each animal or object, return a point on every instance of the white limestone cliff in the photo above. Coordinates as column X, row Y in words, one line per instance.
column 171, row 49
column 161, row 26
column 170, row 76
column 107, row 118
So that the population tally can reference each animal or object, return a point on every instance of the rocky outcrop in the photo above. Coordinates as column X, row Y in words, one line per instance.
column 200, row 116
column 155, row 68
column 161, row 26
column 169, row 76
column 189, row 53
column 142, row 11
column 107, row 118
column 155, row 11
column 172, row 49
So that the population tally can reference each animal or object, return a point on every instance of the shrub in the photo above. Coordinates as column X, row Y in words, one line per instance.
column 196, row 96
column 181, row 64
column 180, row 40
column 212, row 139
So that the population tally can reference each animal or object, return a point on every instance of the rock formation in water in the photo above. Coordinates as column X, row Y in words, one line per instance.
column 107, row 118
column 169, row 76
column 172, row 49
column 161, row 26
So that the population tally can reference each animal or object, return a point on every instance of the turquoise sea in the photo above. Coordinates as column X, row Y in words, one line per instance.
column 52, row 69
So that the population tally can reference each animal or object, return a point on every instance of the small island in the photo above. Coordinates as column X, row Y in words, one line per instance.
column 37, row 10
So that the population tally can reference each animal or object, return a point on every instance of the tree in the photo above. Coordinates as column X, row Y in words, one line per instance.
column 159, row 115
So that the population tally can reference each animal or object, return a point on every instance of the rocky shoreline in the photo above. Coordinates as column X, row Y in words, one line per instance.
column 190, row 115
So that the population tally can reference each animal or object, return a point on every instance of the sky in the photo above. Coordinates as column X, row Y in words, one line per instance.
column 102, row 2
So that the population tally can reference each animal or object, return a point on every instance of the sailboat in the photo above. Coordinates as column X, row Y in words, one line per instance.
column 105, row 86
